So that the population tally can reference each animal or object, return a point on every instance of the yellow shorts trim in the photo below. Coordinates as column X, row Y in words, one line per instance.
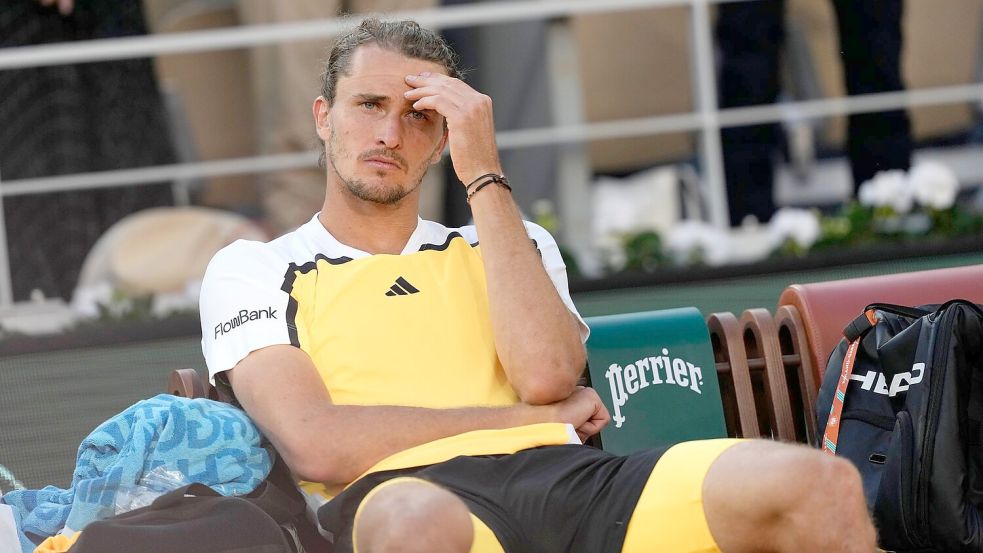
column 669, row 515
column 484, row 539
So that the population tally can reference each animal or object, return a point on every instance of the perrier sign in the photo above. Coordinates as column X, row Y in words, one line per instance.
column 656, row 375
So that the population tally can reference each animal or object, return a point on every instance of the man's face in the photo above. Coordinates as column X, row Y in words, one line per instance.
column 377, row 145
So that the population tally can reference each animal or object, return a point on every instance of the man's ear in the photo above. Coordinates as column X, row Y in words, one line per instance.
column 439, row 150
column 321, row 110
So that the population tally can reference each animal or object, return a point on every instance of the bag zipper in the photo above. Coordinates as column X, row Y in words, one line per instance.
column 905, row 434
column 939, row 357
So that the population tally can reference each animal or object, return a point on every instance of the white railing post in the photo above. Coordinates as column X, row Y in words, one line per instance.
column 573, row 169
column 6, row 283
column 705, row 87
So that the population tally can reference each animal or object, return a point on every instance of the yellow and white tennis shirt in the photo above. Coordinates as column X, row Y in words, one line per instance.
column 410, row 329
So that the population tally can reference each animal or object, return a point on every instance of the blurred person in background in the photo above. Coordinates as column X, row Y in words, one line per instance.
column 79, row 118
column 751, row 36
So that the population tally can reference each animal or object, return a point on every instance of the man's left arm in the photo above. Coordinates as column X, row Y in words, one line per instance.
column 537, row 337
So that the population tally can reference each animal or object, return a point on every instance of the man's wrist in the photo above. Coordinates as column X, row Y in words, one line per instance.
column 534, row 414
column 472, row 176
column 484, row 181
column 469, row 172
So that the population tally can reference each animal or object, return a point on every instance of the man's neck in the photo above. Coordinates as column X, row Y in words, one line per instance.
column 368, row 226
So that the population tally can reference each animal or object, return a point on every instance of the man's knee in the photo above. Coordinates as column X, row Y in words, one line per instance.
column 409, row 515
column 768, row 496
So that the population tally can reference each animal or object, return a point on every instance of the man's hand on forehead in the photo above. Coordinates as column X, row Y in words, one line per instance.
column 470, row 121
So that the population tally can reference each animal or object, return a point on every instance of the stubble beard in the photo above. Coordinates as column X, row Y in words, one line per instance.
column 380, row 194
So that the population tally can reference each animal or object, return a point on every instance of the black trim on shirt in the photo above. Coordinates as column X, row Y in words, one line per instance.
column 445, row 245
column 474, row 244
column 288, row 285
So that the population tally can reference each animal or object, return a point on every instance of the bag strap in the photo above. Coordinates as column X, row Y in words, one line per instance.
column 854, row 332
column 903, row 310
column 272, row 500
column 965, row 303
column 974, row 407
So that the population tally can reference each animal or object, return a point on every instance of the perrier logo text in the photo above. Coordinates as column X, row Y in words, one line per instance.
column 649, row 371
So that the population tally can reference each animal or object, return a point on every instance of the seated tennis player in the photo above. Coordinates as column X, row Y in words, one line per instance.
column 421, row 380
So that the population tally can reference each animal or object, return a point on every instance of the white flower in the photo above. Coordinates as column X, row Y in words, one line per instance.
column 166, row 303
column 934, row 185
column 689, row 237
column 888, row 189
column 799, row 225
column 86, row 299
column 869, row 194
column 611, row 251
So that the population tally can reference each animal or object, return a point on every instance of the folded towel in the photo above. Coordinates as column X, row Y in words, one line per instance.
column 206, row 441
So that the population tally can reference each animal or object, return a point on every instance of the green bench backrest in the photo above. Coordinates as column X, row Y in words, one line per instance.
column 656, row 374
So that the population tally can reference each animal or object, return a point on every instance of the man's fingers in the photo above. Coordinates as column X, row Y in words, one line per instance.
column 449, row 85
column 427, row 77
column 423, row 91
column 433, row 90
column 587, row 430
column 603, row 415
column 428, row 102
column 455, row 97
column 440, row 104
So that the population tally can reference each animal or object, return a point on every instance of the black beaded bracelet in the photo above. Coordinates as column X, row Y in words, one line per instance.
column 491, row 178
column 467, row 189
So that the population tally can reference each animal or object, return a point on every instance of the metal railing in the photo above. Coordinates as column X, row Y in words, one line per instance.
column 707, row 120
column 447, row 17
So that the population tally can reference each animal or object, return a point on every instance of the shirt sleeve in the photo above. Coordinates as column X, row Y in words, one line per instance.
column 242, row 305
column 556, row 269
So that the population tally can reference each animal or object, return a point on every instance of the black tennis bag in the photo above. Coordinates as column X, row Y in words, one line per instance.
column 196, row 519
column 912, row 406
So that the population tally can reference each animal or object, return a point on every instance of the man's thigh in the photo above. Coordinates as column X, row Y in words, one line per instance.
column 551, row 499
column 750, row 496
column 763, row 495
column 669, row 515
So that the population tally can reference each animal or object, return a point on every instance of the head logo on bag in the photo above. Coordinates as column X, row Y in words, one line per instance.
column 874, row 381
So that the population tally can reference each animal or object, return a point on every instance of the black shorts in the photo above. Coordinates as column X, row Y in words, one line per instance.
column 547, row 499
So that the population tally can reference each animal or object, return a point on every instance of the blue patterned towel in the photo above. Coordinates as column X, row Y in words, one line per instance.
column 206, row 441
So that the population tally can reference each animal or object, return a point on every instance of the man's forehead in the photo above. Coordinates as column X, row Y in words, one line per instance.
column 372, row 61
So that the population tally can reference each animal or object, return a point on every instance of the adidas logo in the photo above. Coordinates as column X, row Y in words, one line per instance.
column 401, row 288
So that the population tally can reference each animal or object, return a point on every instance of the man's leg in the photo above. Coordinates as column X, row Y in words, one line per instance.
column 409, row 515
column 750, row 496
column 870, row 46
column 750, row 36
column 767, row 496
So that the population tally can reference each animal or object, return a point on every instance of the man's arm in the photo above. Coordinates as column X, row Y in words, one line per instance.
column 536, row 337
column 282, row 392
